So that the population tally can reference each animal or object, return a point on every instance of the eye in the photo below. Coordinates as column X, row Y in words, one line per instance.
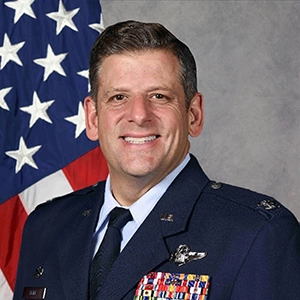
column 159, row 96
column 118, row 97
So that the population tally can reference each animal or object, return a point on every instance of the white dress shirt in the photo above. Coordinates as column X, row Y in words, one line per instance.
column 139, row 210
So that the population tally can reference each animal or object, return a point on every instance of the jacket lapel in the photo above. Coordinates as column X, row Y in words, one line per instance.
column 147, row 248
column 75, row 250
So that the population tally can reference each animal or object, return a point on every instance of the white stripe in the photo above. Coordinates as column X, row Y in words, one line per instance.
column 49, row 187
column 5, row 291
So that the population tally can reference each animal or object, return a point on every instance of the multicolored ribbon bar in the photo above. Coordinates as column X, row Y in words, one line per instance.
column 167, row 286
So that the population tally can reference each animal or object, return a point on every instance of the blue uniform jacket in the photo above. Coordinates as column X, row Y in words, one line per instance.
column 252, row 243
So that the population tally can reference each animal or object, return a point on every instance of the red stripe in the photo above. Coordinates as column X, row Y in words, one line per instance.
column 84, row 171
column 12, row 216
column 87, row 169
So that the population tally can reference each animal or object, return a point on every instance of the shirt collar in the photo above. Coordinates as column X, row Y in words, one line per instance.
column 142, row 207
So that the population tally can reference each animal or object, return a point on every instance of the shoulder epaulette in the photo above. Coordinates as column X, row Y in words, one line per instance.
column 263, row 204
column 83, row 191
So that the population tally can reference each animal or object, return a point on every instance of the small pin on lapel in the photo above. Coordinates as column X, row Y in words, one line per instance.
column 39, row 271
column 183, row 255
column 86, row 213
column 166, row 217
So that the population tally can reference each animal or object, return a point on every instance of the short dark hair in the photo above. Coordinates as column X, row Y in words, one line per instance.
column 131, row 36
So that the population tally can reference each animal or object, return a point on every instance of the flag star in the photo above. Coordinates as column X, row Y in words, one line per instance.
column 23, row 155
column 9, row 52
column 98, row 26
column 21, row 7
column 3, row 93
column 85, row 74
column 51, row 63
column 63, row 18
column 78, row 120
column 37, row 110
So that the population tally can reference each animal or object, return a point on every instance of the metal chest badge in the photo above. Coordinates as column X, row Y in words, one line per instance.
column 183, row 255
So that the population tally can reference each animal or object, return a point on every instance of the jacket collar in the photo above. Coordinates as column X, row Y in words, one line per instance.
column 75, row 250
column 147, row 248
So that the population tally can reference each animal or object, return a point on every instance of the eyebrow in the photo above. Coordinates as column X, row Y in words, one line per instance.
column 161, row 88
column 124, row 89
column 115, row 90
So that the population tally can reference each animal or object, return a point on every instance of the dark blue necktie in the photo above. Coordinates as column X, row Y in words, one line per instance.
column 108, row 250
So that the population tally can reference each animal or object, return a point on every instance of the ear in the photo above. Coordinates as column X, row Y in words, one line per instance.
column 91, row 118
column 195, row 116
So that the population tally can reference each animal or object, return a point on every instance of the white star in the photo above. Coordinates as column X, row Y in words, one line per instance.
column 85, row 74
column 3, row 93
column 98, row 26
column 78, row 120
column 63, row 18
column 21, row 7
column 51, row 63
column 37, row 110
column 23, row 155
column 9, row 52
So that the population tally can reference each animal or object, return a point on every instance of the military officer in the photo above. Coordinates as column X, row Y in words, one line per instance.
column 181, row 235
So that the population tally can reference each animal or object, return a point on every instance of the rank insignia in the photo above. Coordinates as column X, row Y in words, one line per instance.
column 183, row 255
column 268, row 204
column 167, row 286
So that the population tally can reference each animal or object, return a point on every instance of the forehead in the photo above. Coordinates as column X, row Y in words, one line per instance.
column 161, row 64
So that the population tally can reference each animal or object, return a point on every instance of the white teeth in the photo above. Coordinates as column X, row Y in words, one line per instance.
column 142, row 140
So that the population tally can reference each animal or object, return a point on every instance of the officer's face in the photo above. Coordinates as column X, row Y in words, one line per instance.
column 142, row 122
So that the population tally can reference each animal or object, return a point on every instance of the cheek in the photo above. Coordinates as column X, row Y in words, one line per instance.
column 110, row 116
column 108, row 129
column 103, row 127
column 177, row 121
column 177, row 133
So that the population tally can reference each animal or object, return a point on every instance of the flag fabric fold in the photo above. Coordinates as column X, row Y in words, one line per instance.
column 44, row 152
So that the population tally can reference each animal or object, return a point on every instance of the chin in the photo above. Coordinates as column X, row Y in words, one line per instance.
column 140, row 170
column 139, row 173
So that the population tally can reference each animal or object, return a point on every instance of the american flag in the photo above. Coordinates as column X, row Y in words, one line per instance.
column 44, row 152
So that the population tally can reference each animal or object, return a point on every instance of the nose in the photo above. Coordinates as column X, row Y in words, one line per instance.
column 139, row 110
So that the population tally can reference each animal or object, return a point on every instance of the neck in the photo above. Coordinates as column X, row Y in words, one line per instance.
column 128, row 190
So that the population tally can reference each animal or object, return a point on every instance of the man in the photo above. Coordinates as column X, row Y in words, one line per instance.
column 188, row 237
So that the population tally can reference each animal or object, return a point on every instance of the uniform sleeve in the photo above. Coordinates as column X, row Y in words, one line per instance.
column 271, row 269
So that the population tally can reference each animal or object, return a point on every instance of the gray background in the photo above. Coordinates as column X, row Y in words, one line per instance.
column 248, row 58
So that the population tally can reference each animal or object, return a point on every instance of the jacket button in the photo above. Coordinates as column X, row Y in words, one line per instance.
column 216, row 185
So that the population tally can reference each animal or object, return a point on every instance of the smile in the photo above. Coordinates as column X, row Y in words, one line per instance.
column 140, row 140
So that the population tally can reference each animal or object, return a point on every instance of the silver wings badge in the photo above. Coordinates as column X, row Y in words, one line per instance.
column 183, row 255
